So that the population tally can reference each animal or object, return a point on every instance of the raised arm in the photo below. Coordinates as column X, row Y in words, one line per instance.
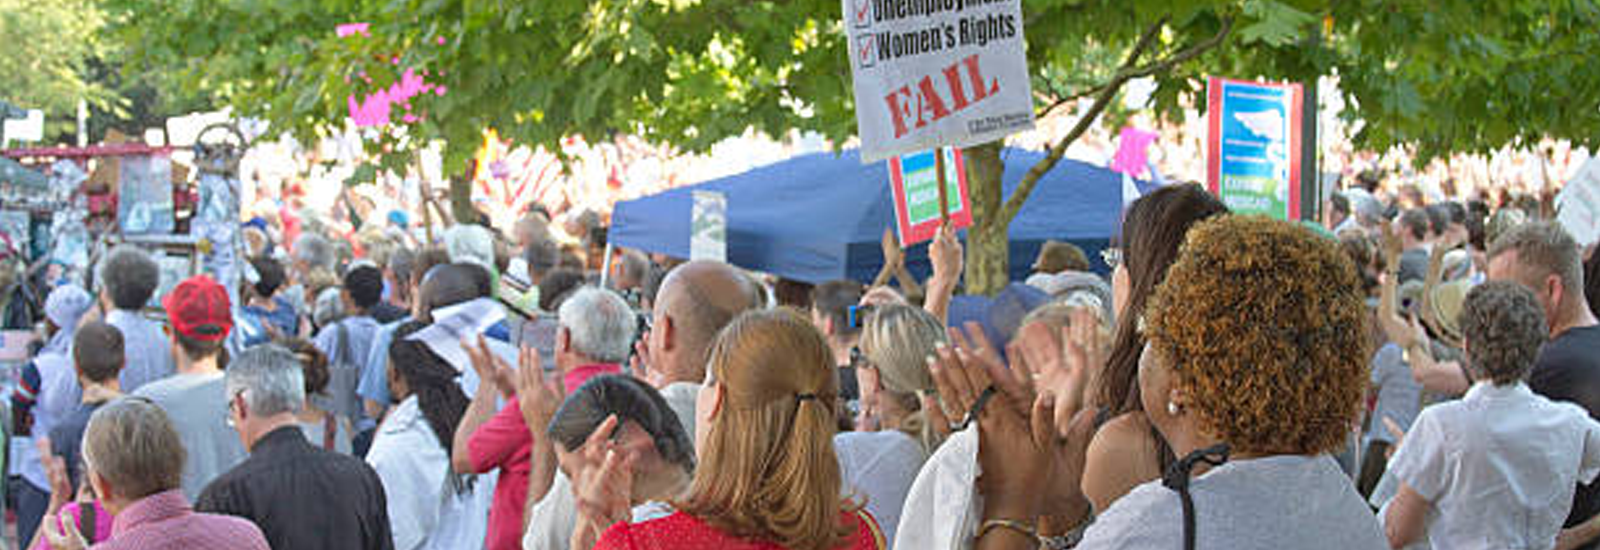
column 493, row 376
column 538, row 397
column 893, row 258
column 945, row 253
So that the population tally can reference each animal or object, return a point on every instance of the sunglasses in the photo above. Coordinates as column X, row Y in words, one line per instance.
column 1112, row 256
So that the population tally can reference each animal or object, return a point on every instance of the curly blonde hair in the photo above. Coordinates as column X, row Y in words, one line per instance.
column 1265, row 326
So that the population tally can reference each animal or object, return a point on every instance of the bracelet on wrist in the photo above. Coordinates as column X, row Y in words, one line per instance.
column 1019, row 527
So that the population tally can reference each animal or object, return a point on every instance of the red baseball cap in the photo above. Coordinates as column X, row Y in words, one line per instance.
column 198, row 308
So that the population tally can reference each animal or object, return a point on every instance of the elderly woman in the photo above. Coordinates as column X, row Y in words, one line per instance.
column 135, row 463
column 1496, row 469
column 767, row 476
column 1255, row 366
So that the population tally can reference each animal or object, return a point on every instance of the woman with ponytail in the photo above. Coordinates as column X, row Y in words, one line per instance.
column 429, row 506
column 894, row 437
column 767, row 477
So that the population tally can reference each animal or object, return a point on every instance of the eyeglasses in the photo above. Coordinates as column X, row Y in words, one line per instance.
column 858, row 359
column 233, row 401
column 1112, row 257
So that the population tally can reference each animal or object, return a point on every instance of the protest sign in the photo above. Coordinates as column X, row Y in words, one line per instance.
column 708, row 227
column 1578, row 205
column 915, row 180
column 932, row 73
column 1253, row 146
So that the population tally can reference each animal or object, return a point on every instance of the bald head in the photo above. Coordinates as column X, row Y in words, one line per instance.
column 695, row 301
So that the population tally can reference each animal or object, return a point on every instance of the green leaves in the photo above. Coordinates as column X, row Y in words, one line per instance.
column 1273, row 23
column 1443, row 74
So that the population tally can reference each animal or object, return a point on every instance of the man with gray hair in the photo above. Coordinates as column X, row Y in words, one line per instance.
column 128, row 278
column 300, row 495
column 596, row 329
column 1545, row 259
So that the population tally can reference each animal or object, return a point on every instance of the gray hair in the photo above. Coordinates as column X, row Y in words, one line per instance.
column 327, row 307
column 1546, row 247
column 130, row 276
column 599, row 323
column 316, row 251
column 472, row 244
column 272, row 379
column 635, row 267
column 132, row 444
column 1504, row 328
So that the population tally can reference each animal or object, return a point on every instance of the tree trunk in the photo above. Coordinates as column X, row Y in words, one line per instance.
column 461, row 199
column 988, row 242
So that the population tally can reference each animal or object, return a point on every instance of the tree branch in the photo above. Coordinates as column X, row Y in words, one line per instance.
column 1139, row 48
column 1069, row 99
column 1106, row 93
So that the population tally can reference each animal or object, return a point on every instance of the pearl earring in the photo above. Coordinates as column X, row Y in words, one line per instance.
column 1173, row 409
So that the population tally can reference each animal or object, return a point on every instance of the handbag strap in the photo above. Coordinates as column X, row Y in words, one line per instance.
column 89, row 516
column 330, row 427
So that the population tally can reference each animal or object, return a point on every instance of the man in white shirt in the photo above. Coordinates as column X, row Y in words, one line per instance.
column 695, row 301
column 1498, row 468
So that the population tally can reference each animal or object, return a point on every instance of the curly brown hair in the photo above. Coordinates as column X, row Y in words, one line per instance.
column 1503, row 327
column 1265, row 324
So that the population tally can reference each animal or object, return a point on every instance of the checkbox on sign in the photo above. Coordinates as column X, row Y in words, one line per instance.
column 861, row 13
column 866, row 53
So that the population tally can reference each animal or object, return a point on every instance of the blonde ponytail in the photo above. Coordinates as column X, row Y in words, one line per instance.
column 768, row 470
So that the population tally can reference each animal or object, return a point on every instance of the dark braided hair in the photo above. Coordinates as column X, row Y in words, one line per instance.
column 432, row 380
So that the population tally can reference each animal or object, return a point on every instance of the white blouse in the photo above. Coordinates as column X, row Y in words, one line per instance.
column 1499, row 466
column 425, row 513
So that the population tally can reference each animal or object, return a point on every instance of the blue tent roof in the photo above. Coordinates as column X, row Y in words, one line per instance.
column 819, row 217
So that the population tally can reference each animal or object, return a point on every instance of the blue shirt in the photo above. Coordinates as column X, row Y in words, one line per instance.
column 281, row 318
column 146, row 347
column 345, row 367
column 374, row 384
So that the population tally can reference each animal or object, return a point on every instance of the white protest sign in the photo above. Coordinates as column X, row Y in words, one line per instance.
column 708, row 227
column 30, row 129
column 931, row 73
column 1578, row 205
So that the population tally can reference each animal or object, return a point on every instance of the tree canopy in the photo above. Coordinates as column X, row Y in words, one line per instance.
column 49, row 44
column 1439, row 75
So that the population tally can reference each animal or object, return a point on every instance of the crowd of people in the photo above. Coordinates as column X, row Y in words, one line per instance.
column 1401, row 375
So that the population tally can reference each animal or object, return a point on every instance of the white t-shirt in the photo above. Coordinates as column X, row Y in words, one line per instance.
column 681, row 397
column 1499, row 466
column 1272, row 503
column 878, row 468
column 425, row 512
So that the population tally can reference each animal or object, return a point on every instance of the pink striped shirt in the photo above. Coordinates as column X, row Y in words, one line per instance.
column 166, row 520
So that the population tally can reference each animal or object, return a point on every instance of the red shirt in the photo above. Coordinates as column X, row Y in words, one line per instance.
column 686, row 532
column 504, row 442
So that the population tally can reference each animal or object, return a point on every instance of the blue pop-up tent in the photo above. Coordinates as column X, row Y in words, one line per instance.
column 820, row 217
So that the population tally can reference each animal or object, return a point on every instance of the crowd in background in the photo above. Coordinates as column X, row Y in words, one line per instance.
column 1407, row 373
